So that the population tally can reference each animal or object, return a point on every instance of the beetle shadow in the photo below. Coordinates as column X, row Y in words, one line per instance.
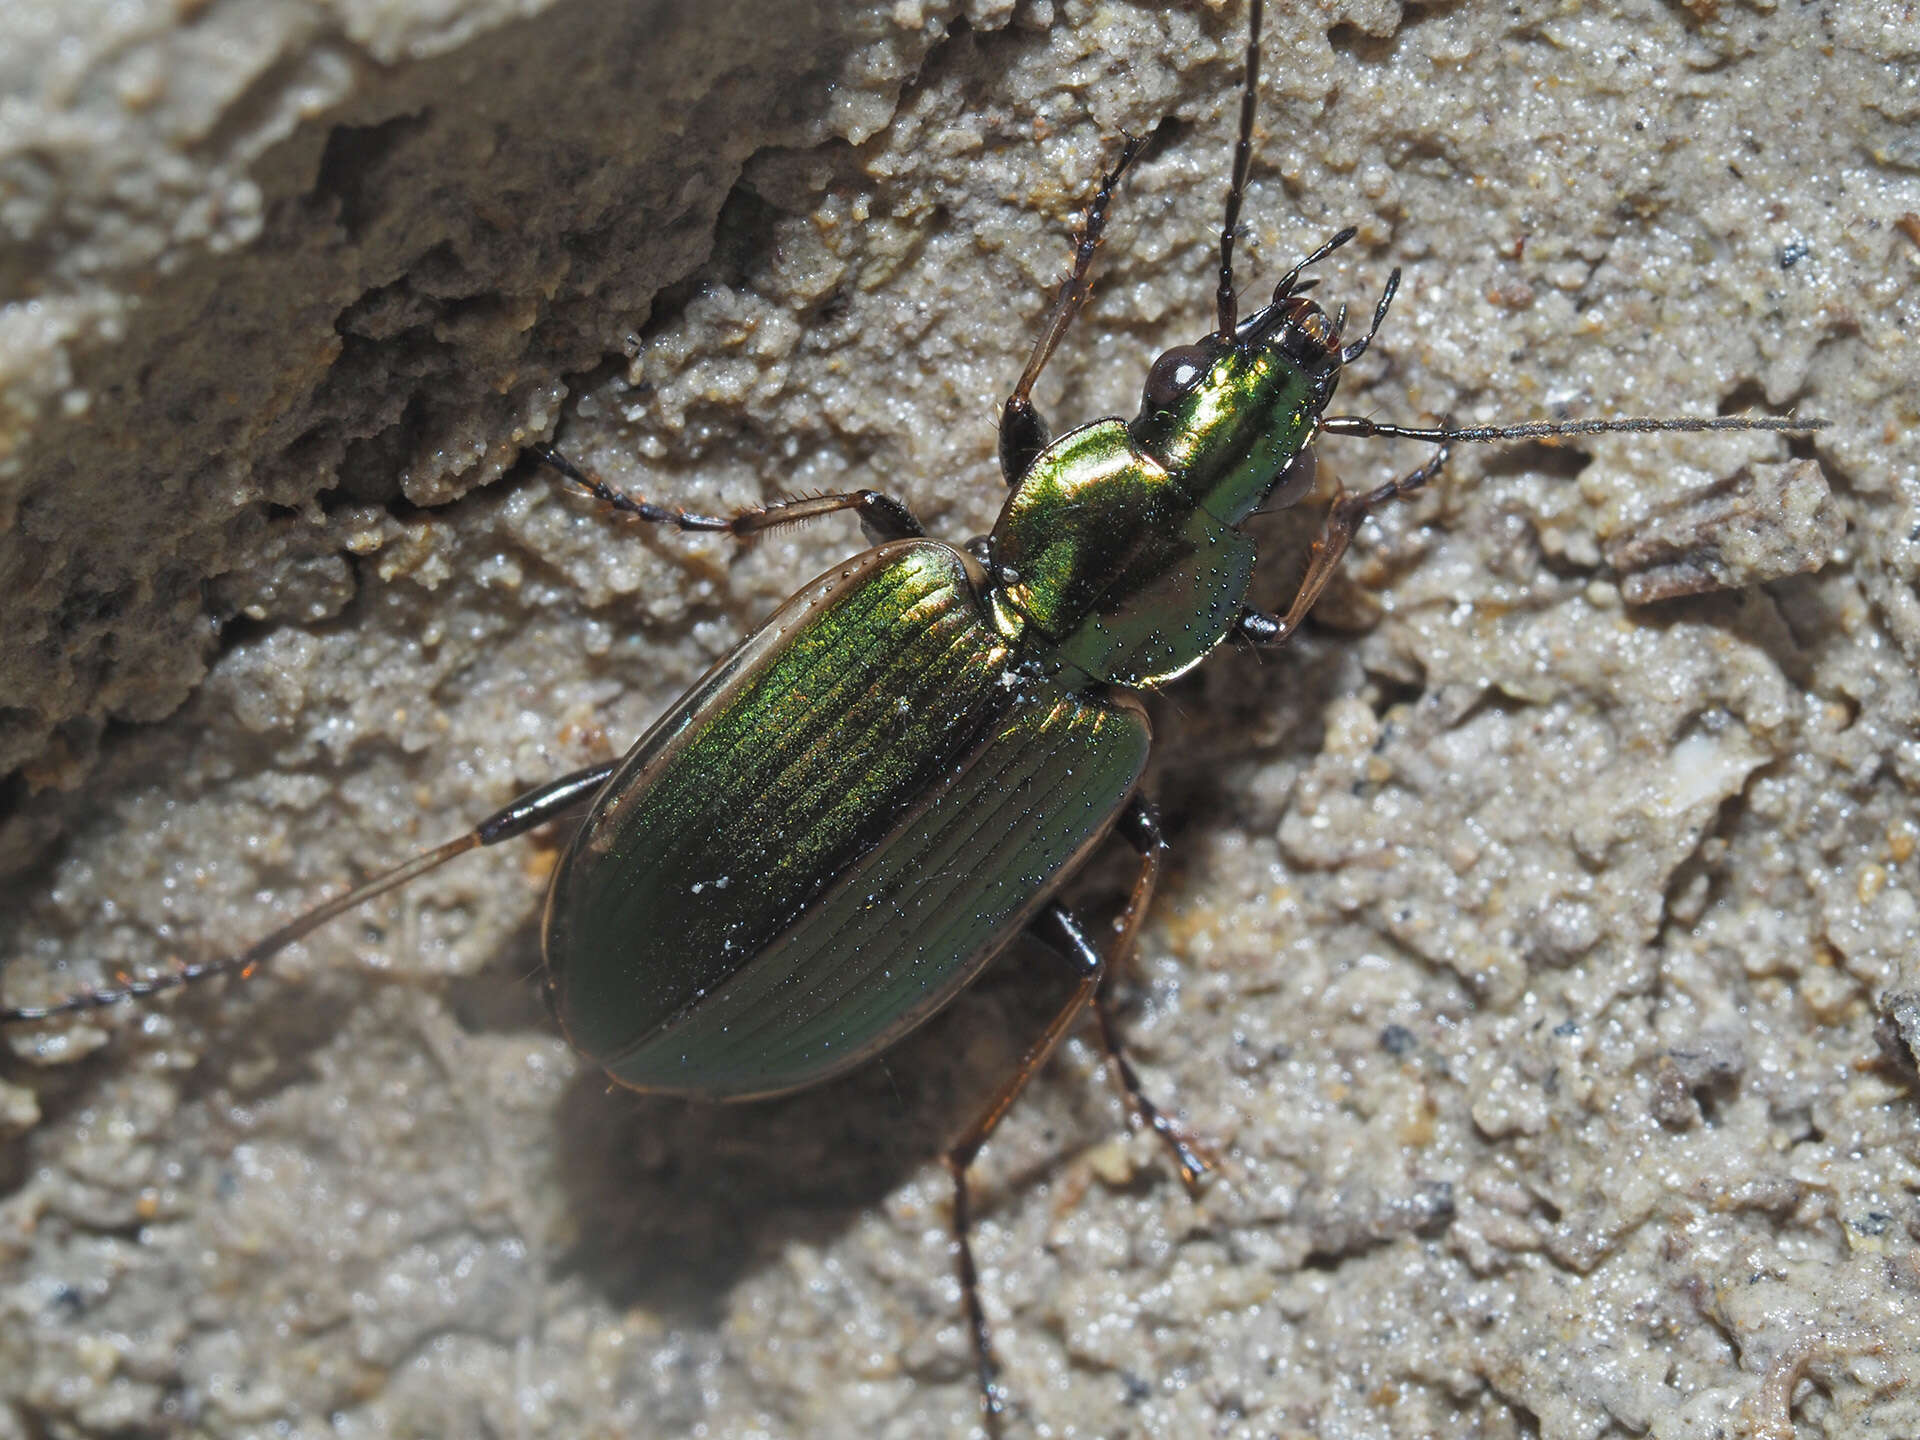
column 674, row 1201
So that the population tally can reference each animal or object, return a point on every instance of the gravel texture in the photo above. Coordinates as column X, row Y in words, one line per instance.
column 1540, row 948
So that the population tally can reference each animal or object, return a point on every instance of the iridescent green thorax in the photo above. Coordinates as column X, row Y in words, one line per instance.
column 1108, row 557
column 1230, row 435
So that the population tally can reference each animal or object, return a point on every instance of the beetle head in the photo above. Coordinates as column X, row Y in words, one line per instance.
column 1232, row 418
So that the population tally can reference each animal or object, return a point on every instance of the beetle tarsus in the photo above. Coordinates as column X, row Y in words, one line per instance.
column 1139, row 825
column 1405, row 488
column 992, row 1394
column 624, row 504
column 1064, row 934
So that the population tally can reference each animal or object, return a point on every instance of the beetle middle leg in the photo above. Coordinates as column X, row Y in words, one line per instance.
column 882, row 516
column 1343, row 519
column 1057, row 928
column 1141, row 828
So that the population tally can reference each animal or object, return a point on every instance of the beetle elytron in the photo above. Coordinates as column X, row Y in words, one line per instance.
column 890, row 780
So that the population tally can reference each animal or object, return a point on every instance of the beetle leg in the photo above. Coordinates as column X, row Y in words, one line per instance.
column 881, row 516
column 536, row 807
column 1343, row 518
column 1141, row 827
column 1063, row 933
column 1192, row 1157
column 1023, row 433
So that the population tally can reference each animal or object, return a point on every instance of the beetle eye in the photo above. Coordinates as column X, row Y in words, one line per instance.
column 1175, row 373
column 1294, row 481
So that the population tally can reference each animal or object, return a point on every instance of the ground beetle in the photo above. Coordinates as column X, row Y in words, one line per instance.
column 837, row 828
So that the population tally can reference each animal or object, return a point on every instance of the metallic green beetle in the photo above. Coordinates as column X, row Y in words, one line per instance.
column 888, row 781
column 854, row 812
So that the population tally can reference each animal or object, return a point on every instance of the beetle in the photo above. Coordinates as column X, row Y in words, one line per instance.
column 895, row 774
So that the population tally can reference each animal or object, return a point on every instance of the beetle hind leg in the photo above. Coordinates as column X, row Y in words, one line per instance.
column 1063, row 933
column 1060, row 932
column 536, row 807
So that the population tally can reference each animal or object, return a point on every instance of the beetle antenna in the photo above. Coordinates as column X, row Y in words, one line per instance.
column 1237, row 186
column 1559, row 429
column 532, row 809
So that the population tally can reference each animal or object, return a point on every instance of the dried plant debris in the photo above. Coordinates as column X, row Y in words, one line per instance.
column 1760, row 524
column 1898, row 1033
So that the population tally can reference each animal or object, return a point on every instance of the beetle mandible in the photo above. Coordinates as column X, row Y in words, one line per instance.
column 800, row 812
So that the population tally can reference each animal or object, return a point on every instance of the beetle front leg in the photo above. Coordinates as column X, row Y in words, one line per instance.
column 1343, row 519
column 1023, row 433
column 882, row 517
